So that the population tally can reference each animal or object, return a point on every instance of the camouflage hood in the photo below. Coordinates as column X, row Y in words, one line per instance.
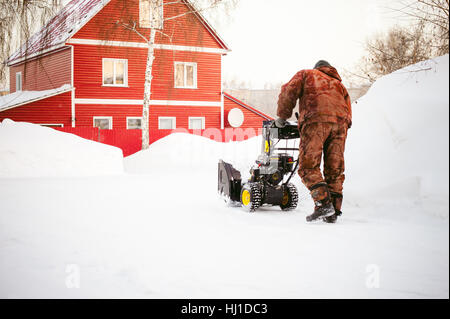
column 330, row 71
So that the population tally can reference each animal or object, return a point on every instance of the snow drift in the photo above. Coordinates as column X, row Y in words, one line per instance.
column 28, row 150
column 398, row 147
column 193, row 153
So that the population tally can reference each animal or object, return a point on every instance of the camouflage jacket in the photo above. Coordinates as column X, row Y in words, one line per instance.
column 323, row 97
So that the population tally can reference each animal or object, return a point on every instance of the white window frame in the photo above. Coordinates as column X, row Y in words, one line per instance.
column 149, row 24
column 51, row 124
column 174, row 121
column 110, row 118
column 19, row 82
column 197, row 118
column 125, row 70
column 134, row 118
column 185, row 64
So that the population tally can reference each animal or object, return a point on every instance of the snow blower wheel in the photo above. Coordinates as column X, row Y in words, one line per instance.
column 251, row 197
column 290, row 198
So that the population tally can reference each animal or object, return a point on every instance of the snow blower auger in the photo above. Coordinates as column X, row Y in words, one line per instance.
column 268, row 184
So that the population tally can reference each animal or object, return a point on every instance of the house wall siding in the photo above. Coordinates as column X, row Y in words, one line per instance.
column 182, row 114
column 44, row 73
column 52, row 110
column 89, row 82
column 186, row 30
column 251, row 119
column 86, row 113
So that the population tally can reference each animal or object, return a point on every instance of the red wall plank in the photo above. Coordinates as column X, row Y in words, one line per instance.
column 85, row 114
column 182, row 114
column 89, row 81
column 53, row 110
column 130, row 141
column 186, row 30
column 251, row 119
column 44, row 73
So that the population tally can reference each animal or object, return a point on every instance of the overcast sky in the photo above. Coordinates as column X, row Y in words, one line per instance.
column 272, row 39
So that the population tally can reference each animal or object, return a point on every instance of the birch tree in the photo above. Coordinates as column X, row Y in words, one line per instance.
column 155, row 25
column 19, row 19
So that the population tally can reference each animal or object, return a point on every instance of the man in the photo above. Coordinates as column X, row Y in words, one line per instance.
column 324, row 118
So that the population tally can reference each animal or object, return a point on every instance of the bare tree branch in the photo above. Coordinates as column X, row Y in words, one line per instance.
column 19, row 19
column 132, row 28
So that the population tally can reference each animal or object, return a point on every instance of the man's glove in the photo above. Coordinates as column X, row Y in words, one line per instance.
column 280, row 123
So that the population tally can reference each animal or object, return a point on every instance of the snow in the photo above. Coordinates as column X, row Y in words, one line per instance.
column 20, row 97
column 160, row 230
column 398, row 147
column 28, row 150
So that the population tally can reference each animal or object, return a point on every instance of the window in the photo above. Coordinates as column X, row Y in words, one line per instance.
column 115, row 72
column 134, row 123
column 147, row 13
column 19, row 81
column 196, row 123
column 167, row 123
column 52, row 125
column 103, row 123
column 186, row 75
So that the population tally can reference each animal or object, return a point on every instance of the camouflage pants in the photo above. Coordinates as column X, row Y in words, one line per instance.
column 327, row 139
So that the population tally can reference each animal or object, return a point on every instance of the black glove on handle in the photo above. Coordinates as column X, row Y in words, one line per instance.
column 280, row 123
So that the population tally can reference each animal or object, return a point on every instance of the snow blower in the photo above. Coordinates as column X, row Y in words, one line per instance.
column 268, row 184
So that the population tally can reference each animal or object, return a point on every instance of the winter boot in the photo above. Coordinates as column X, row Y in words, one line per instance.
column 322, row 200
column 336, row 199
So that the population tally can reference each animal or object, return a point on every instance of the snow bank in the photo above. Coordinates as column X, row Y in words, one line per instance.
column 192, row 153
column 29, row 150
column 398, row 147
column 196, row 159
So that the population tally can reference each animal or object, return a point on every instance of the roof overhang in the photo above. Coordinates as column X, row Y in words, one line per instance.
column 20, row 98
column 248, row 107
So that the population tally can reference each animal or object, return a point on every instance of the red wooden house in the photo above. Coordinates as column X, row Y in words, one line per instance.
column 84, row 69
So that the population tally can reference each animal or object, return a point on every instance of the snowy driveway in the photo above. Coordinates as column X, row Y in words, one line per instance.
column 150, row 236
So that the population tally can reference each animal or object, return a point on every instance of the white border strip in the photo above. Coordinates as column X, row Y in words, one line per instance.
column 222, row 99
column 153, row 102
column 72, row 77
column 143, row 45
